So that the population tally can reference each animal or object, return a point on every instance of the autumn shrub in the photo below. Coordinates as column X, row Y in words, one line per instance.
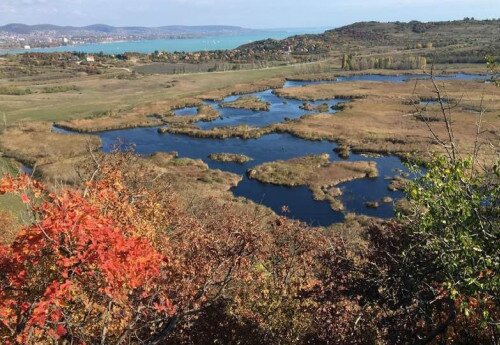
column 287, row 269
column 120, row 260
column 74, row 274
column 391, row 293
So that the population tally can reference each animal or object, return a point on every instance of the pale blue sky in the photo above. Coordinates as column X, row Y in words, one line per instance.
column 247, row 13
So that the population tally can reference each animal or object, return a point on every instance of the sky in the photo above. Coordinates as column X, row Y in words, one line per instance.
column 246, row 13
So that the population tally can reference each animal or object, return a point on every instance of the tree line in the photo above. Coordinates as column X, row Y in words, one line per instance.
column 351, row 62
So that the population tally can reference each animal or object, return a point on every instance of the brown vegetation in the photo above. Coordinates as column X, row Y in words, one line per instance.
column 36, row 144
column 107, row 123
column 385, row 122
column 241, row 131
column 149, row 115
column 398, row 183
column 230, row 157
column 241, row 89
column 322, row 108
column 204, row 113
column 247, row 102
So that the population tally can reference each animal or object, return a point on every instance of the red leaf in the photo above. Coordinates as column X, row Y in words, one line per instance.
column 61, row 331
column 25, row 199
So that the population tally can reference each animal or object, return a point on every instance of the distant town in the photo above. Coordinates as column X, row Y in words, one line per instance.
column 21, row 36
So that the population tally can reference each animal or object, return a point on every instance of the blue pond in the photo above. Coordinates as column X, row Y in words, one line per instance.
column 277, row 147
column 279, row 110
column 186, row 111
column 265, row 149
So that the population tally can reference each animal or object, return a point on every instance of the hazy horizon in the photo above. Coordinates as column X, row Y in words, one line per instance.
column 258, row 14
column 185, row 25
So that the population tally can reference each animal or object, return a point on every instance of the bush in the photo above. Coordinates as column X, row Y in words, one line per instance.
column 457, row 220
column 117, row 262
column 61, row 88
column 14, row 91
column 120, row 259
column 74, row 270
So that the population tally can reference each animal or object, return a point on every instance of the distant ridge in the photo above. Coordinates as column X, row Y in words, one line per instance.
column 469, row 36
column 103, row 29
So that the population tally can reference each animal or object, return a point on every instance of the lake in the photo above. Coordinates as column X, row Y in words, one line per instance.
column 171, row 45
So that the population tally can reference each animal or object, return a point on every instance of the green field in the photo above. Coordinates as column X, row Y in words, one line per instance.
column 97, row 94
column 11, row 203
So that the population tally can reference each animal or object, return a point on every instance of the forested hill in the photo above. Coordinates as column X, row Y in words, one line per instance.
column 470, row 37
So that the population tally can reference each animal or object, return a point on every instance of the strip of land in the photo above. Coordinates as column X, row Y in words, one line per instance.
column 247, row 102
column 315, row 172
column 230, row 158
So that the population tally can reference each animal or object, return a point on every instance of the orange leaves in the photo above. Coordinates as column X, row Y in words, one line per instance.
column 48, row 309
column 9, row 184
column 73, row 250
column 123, row 257
column 90, row 242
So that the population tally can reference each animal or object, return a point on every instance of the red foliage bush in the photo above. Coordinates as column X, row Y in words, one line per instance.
column 73, row 266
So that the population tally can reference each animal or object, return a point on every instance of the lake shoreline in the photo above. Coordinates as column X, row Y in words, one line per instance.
column 220, row 42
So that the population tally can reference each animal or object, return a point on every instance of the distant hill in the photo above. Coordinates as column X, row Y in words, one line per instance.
column 102, row 29
column 469, row 37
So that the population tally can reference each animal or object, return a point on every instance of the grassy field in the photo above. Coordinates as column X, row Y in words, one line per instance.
column 10, row 204
column 103, row 94
column 36, row 144
column 380, row 118
column 386, row 117
column 100, row 94
column 8, row 166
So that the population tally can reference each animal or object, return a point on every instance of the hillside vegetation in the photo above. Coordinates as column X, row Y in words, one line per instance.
column 455, row 41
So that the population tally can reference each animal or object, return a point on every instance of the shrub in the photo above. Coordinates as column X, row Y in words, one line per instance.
column 14, row 91
column 75, row 273
column 456, row 217
column 61, row 88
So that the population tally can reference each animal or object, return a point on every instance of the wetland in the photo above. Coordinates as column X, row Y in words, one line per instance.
column 316, row 181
